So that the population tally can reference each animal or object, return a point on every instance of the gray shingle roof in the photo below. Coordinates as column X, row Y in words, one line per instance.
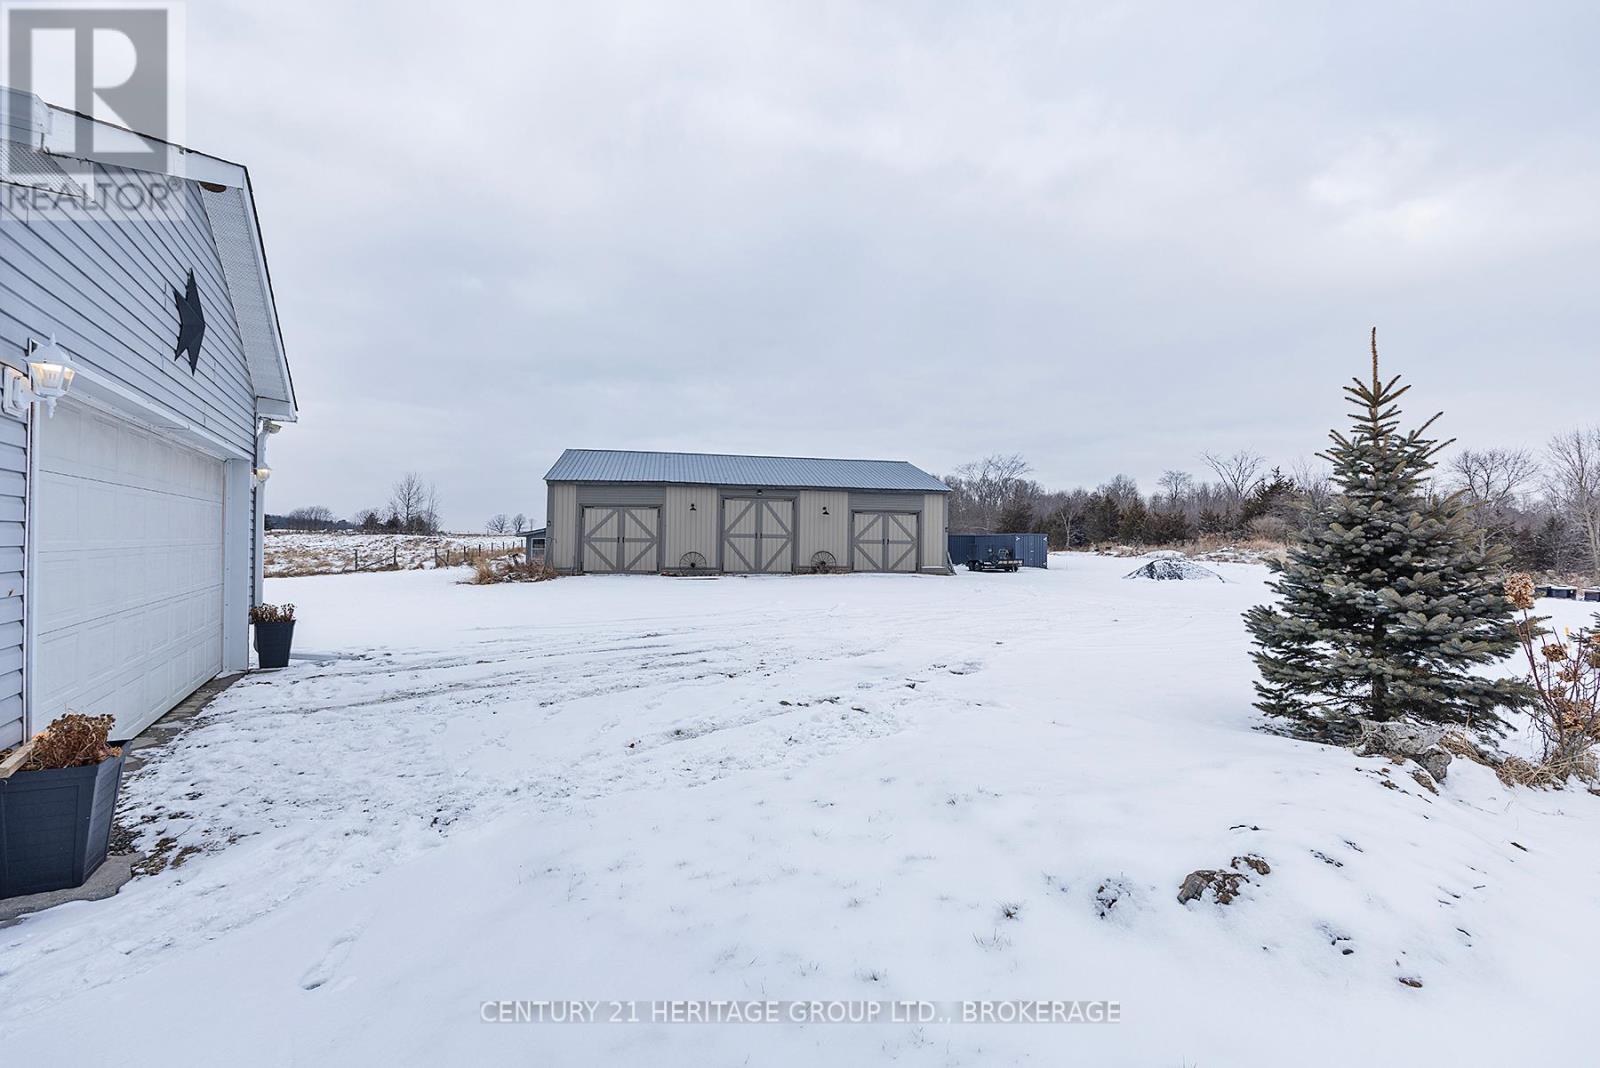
column 710, row 469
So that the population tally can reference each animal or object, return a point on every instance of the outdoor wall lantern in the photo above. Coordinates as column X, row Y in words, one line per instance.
column 262, row 474
column 824, row 509
column 691, row 506
column 49, row 376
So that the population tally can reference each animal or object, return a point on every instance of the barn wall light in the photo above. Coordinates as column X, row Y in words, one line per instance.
column 262, row 474
column 49, row 376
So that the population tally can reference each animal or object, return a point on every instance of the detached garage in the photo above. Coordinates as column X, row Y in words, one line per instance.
column 143, row 372
column 612, row 512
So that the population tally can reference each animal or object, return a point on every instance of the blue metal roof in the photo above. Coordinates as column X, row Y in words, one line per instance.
column 711, row 469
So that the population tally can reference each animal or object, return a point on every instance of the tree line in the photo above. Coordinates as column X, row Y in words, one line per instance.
column 1542, row 507
column 412, row 508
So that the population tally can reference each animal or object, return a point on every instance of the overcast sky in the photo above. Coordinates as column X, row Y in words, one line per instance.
column 1105, row 238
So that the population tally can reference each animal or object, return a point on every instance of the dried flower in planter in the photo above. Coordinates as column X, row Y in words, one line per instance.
column 72, row 741
column 272, row 613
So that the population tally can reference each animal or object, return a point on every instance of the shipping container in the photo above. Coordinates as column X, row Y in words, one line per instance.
column 1033, row 550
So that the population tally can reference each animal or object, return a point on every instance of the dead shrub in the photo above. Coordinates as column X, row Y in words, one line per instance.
column 1564, row 677
column 72, row 741
column 1548, row 774
column 488, row 571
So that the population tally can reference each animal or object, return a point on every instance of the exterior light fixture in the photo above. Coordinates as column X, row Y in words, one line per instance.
column 691, row 506
column 824, row 509
column 49, row 376
column 262, row 474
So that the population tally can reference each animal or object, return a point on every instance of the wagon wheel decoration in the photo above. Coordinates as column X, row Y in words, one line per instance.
column 822, row 562
column 692, row 561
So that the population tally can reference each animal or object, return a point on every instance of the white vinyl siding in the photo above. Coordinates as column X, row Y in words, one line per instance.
column 13, row 510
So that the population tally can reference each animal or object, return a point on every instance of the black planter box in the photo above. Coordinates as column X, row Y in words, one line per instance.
column 55, row 826
column 272, row 643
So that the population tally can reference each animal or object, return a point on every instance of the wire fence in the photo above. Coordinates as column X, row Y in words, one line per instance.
column 358, row 553
column 391, row 558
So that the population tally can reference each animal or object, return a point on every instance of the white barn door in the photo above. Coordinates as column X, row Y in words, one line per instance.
column 127, row 569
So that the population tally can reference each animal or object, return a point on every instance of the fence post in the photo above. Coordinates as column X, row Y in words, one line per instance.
column 396, row 560
column 358, row 560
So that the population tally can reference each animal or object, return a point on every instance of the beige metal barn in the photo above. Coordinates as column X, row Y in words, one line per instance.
column 645, row 512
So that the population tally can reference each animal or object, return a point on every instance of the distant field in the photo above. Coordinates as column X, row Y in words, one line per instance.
column 290, row 553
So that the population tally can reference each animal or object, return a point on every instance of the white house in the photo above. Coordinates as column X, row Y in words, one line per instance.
column 131, row 503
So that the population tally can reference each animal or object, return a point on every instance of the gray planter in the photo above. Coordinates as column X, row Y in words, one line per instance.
column 273, row 641
column 55, row 826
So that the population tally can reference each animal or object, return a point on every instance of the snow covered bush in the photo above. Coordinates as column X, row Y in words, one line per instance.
column 1564, row 673
column 1390, row 601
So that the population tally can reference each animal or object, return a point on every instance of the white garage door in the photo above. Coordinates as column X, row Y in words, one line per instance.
column 127, row 580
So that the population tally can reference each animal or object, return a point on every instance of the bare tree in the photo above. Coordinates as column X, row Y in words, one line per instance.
column 414, row 504
column 1239, row 473
column 1574, row 485
column 1492, row 481
column 1176, row 487
column 498, row 524
column 519, row 522
column 370, row 520
column 314, row 517
column 983, row 488
column 1314, row 486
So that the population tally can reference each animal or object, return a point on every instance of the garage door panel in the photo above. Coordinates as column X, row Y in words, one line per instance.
column 777, row 537
column 900, row 534
column 128, row 575
column 866, row 541
column 739, row 535
column 641, row 536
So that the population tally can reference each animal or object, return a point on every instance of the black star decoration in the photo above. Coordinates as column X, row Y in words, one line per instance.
column 191, row 322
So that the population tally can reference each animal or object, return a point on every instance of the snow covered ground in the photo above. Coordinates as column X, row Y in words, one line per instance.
column 832, row 787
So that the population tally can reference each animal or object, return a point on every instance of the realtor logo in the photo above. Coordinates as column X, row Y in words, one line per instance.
column 115, row 61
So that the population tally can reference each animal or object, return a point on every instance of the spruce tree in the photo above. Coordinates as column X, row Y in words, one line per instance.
column 1389, row 602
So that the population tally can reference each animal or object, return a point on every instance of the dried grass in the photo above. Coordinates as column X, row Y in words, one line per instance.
column 510, row 567
column 1550, row 774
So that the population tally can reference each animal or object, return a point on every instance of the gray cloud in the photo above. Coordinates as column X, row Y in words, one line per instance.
column 1106, row 239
